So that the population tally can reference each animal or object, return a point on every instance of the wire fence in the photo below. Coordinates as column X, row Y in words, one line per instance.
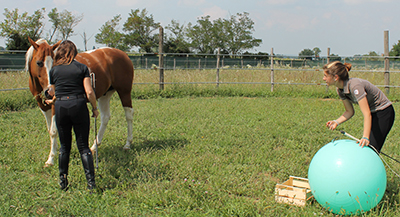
column 224, row 69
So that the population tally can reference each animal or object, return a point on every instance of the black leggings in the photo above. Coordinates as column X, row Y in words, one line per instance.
column 73, row 114
column 382, row 122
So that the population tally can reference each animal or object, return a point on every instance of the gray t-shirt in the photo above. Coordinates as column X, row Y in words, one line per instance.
column 356, row 89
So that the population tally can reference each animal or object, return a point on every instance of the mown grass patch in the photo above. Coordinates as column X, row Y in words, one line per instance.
column 192, row 156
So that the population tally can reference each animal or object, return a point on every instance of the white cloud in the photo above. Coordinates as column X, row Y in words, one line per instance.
column 60, row 2
column 327, row 15
column 127, row 3
column 191, row 2
column 280, row 2
column 356, row 2
column 215, row 12
column 290, row 21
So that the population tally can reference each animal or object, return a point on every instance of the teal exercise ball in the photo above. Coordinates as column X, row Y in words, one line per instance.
column 347, row 179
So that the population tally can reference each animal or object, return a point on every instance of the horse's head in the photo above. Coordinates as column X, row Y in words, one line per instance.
column 39, row 60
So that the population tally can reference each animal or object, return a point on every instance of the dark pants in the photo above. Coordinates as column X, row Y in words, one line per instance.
column 382, row 122
column 73, row 114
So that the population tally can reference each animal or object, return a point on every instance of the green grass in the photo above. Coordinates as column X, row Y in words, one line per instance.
column 192, row 156
column 198, row 150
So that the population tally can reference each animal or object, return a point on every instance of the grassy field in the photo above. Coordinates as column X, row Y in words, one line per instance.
column 198, row 150
column 192, row 156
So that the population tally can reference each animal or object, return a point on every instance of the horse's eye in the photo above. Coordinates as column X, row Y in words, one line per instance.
column 39, row 63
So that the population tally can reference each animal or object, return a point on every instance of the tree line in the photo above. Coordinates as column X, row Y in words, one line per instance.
column 233, row 35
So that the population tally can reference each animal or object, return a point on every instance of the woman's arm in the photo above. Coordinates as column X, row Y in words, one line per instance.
column 363, row 103
column 349, row 112
column 91, row 96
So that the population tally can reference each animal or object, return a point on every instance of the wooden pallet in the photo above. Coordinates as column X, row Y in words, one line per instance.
column 294, row 191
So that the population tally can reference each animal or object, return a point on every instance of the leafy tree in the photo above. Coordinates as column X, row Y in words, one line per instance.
column 395, row 51
column 372, row 55
column 202, row 36
column 16, row 28
column 306, row 54
column 176, row 42
column 334, row 57
column 67, row 23
column 316, row 51
column 110, row 36
column 235, row 34
column 54, row 17
column 140, row 27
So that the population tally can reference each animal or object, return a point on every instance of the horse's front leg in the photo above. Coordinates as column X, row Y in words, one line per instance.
column 52, row 129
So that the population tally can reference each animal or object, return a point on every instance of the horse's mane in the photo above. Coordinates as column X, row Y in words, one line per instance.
column 29, row 53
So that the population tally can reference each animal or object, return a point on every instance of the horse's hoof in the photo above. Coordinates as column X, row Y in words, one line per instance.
column 127, row 147
column 48, row 165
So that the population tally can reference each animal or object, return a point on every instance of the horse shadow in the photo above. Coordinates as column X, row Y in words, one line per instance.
column 125, row 168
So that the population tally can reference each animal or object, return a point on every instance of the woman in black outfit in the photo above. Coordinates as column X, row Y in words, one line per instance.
column 72, row 88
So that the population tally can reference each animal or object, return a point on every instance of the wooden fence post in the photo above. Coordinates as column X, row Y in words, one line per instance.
column 218, row 58
column 327, row 61
column 272, row 69
column 161, row 57
column 387, row 64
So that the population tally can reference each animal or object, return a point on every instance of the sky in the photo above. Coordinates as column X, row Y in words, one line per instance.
column 347, row 27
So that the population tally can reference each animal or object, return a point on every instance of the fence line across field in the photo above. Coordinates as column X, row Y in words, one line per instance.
column 274, row 69
column 274, row 64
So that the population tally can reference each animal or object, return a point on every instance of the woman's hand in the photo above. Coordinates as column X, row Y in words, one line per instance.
column 363, row 142
column 95, row 113
column 49, row 101
column 332, row 124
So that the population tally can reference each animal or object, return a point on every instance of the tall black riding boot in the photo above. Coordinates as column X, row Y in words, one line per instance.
column 88, row 166
column 63, row 162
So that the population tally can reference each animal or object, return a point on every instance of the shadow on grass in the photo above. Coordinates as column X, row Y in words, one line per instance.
column 120, row 168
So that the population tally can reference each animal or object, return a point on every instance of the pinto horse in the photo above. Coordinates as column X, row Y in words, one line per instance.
column 113, row 73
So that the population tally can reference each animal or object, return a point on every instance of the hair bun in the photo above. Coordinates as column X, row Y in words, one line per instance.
column 348, row 66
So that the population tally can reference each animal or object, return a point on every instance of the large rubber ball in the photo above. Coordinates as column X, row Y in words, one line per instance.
column 347, row 179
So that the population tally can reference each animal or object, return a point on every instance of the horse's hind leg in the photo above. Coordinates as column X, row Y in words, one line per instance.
column 105, row 115
column 126, row 100
column 129, row 120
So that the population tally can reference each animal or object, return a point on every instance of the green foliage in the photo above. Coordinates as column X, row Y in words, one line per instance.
column 306, row 54
column 110, row 36
column 316, row 51
column 17, row 27
column 202, row 36
column 63, row 23
column 235, row 34
column 372, row 55
column 395, row 51
column 232, row 36
column 175, row 42
column 139, row 28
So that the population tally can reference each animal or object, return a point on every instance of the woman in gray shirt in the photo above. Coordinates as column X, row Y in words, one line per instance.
column 377, row 109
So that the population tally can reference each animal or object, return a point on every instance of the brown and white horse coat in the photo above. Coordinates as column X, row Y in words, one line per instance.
column 113, row 73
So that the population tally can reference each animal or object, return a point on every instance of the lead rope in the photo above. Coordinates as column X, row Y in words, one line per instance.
column 93, row 81
column 376, row 151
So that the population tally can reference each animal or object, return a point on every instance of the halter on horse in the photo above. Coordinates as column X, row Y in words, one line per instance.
column 114, row 73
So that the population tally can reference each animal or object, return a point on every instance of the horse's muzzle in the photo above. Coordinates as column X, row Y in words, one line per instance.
column 47, row 95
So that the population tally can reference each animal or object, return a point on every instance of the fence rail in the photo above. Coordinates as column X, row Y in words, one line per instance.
column 222, row 63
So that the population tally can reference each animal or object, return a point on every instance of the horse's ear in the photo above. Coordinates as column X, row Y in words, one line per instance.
column 55, row 46
column 33, row 43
